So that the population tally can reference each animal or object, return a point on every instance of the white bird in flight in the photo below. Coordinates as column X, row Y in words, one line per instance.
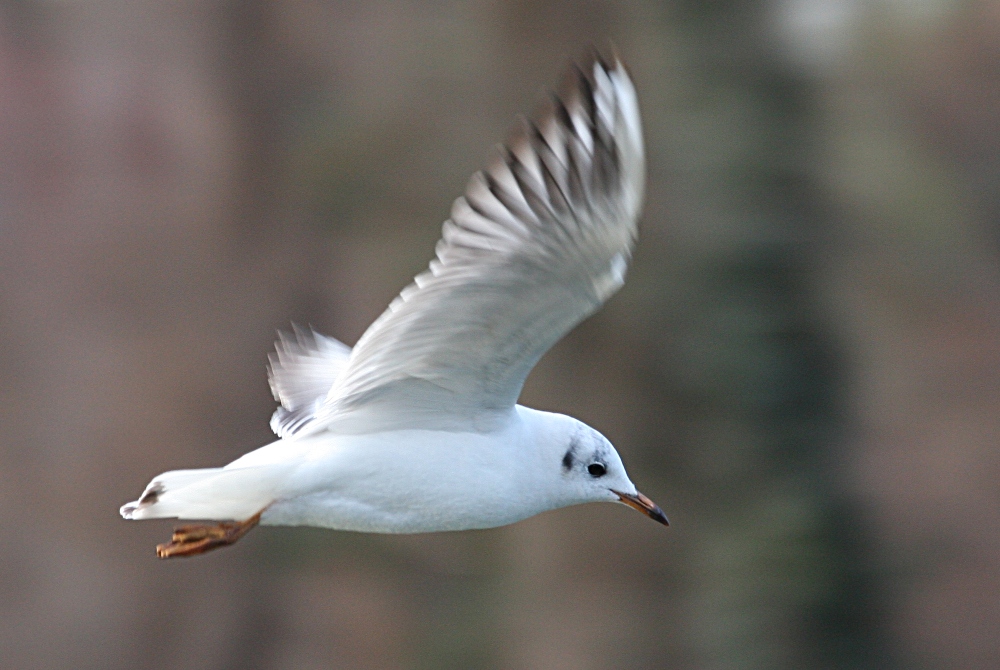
column 417, row 428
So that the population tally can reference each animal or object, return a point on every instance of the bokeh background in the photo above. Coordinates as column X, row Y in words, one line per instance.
column 803, row 370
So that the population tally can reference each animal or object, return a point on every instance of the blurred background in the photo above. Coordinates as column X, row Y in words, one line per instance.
column 803, row 369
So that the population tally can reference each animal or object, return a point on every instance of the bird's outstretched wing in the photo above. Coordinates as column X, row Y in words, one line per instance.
column 302, row 370
column 540, row 240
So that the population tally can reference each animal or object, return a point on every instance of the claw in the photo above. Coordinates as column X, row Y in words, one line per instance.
column 193, row 539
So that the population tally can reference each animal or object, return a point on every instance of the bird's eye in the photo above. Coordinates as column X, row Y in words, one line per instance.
column 597, row 469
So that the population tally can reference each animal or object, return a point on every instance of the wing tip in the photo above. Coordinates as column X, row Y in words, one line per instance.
column 137, row 508
column 579, row 69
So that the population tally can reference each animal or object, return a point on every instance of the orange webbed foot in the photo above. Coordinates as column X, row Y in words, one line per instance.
column 194, row 539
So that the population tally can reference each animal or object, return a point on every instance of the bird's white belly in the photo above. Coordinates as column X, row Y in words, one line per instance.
column 411, row 481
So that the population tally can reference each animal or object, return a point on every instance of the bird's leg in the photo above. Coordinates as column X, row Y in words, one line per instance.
column 196, row 539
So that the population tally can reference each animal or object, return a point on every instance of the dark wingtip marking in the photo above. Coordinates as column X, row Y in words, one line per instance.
column 152, row 494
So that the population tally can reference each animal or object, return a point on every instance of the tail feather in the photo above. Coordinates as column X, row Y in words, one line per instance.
column 211, row 493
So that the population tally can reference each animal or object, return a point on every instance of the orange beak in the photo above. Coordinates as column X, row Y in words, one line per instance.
column 644, row 505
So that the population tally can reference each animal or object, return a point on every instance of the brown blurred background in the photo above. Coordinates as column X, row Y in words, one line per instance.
column 803, row 370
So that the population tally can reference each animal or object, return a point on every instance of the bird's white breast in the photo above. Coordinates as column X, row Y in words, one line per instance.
column 409, row 481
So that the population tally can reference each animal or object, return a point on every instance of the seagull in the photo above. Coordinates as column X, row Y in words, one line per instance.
column 417, row 428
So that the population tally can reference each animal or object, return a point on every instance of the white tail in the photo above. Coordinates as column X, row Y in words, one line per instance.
column 211, row 493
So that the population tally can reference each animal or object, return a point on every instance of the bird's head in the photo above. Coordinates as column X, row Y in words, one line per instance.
column 590, row 469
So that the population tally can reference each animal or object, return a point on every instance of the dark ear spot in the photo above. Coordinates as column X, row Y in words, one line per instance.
column 570, row 457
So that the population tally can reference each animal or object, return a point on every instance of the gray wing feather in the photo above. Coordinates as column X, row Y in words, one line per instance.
column 302, row 369
column 540, row 240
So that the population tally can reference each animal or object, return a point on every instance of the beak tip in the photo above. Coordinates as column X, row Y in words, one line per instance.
column 658, row 515
column 640, row 502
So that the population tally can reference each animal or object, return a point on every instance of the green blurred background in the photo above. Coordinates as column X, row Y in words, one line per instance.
column 803, row 369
